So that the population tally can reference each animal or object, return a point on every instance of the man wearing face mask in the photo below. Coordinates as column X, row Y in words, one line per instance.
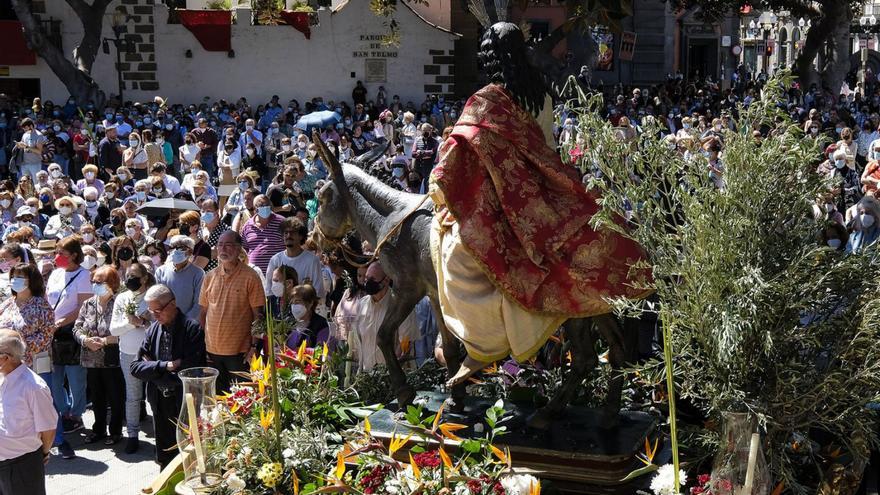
column 307, row 265
column 251, row 136
column 182, row 276
column 135, row 231
column 206, row 140
column 261, row 234
column 425, row 152
column 371, row 312
column 840, row 176
column 95, row 213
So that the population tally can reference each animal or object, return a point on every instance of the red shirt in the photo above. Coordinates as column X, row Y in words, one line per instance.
column 79, row 140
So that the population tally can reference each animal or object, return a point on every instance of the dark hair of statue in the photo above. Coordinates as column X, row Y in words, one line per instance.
column 503, row 57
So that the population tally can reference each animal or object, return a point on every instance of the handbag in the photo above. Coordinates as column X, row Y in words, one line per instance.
column 111, row 356
column 65, row 349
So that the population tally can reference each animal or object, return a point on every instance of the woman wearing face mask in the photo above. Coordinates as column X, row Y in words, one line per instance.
column 100, row 356
column 284, row 280
column 67, row 289
column 834, row 236
column 11, row 255
column 229, row 158
column 251, row 160
column 90, row 179
column 825, row 210
column 311, row 327
column 157, row 188
column 66, row 223
column 89, row 235
column 156, row 252
column 124, row 181
column 236, row 199
column 25, row 188
column 129, row 327
column 116, row 226
column 849, row 146
column 845, row 179
column 865, row 226
column 155, row 153
column 189, row 226
column 190, row 177
column 135, row 157
column 47, row 202
column 123, row 253
column 7, row 211
column 90, row 257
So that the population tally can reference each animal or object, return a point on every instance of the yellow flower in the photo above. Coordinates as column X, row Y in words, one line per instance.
column 535, row 488
column 266, row 418
column 396, row 443
column 270, row 473
column 448, row 430
column 367, row 427
column 416, row 471
column 445, row 458
column 256, row 363
column 340, row 466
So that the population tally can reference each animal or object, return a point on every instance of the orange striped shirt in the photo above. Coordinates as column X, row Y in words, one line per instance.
column 229, row 298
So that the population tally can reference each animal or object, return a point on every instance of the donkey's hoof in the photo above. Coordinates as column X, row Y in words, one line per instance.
column 405, row 396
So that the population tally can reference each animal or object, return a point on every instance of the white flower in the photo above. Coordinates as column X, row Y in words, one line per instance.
column 234, row 483
column 664, row 481
column 288, row 453
column 518, row 484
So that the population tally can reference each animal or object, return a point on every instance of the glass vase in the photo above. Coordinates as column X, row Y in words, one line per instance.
column 730, row 467
column 202, row 466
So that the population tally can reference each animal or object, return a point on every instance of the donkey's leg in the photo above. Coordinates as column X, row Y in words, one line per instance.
column 612, row 333
column 452, row 355
column 386, row 339
column 583, row 359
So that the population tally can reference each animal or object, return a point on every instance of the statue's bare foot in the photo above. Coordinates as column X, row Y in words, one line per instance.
column 467, row 368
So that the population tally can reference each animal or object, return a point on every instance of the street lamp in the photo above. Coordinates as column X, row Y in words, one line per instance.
column 117, row 24
column 867, row 23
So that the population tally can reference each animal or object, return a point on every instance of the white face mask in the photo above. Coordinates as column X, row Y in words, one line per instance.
column 839, row 163
column 866, row 220
column 88, row 237
column 5, row 203
column 101, row 260
column 298, row 310
column 88, row 262
column 277, row 288
column 65, row 210
column 90, row 175
column 829, row 207
column 55, row 173
column 834, row 243
column 285, row 147
column 130, row 231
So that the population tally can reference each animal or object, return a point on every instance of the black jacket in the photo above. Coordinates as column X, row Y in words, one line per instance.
column 187, row 344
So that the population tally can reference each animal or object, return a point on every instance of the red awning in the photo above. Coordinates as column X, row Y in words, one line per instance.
column 14, row 49
column 299, row 20
column 213, row 28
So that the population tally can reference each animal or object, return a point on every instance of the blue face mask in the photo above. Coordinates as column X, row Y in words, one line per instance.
column 45, row 198
column 264, row 211
column 208, row 216
column 177, row 256
column 18, row 284
column 242, row 185
column 397, row 172
column 99, row 289
column 141, row 195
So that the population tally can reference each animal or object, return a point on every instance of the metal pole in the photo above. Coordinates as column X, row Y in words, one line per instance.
column 119, row 67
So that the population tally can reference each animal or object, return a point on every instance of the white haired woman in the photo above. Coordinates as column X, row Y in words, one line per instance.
column 866, row 225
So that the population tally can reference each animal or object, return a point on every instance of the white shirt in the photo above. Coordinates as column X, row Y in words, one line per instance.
column 307, row 265
column 370, row 316
column 130, row 336
column 189, row 152
column 25, row 410
column 171, row 184
column 67, row 299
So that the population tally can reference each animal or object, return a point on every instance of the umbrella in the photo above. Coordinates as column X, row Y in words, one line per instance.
column 162, row 207
column 318, row 119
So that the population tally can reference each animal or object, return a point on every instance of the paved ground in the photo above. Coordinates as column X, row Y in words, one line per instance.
column 102, row 470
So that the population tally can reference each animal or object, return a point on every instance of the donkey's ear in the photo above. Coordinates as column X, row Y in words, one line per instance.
column 329, row 159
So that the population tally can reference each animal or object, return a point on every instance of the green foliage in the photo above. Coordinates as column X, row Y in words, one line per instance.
column 762, row 318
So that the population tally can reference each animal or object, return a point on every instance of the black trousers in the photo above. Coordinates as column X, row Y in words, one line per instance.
column 166, row 410
column 227, row 365
column 23, row 474
column 107, row 386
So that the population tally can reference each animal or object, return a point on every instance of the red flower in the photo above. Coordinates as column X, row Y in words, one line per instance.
column 576, row 153
column 309, row 369
column 372, row 482
column 427, row 459
column 697, row 490
column 704, row 479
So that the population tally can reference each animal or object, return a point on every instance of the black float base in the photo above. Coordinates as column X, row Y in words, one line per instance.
column 576, row 454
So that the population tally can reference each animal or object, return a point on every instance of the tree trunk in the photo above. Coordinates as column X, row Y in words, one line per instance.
column 838, row 63
column 75, row 75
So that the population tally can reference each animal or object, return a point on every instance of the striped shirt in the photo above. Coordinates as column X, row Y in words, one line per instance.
column 262, row 243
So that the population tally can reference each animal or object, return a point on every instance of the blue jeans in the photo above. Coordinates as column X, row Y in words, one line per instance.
column 209, row 163
column 59, row 430
column 73, row 403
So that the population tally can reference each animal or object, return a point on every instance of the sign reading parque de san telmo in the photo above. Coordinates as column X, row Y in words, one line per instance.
column 375, row 46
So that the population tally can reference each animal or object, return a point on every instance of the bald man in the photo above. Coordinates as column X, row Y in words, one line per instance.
column 372, row 310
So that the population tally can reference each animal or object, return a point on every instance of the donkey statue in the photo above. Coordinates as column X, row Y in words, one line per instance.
column 398, row 224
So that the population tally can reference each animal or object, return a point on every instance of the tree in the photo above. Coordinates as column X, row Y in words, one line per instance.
column 829, row 34
column 75, row 73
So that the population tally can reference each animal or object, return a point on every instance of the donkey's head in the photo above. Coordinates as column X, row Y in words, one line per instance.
column 336, row 205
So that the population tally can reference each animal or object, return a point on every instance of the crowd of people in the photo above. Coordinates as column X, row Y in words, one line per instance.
column 108, row 297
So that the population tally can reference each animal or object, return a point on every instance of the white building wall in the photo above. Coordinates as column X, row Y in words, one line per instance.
column 276, row 59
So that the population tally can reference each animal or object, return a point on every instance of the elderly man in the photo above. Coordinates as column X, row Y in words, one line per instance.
column 371, row 311
column 172, row 343
column 134, row 229
column 27, row 421
column 231, row 299
column 251, row 135
column 262, row 234
column 181, row 276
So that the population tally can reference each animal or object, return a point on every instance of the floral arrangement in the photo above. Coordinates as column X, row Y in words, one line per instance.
column 323, row 447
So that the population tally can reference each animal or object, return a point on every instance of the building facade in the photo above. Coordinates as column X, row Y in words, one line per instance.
column 345, row 43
